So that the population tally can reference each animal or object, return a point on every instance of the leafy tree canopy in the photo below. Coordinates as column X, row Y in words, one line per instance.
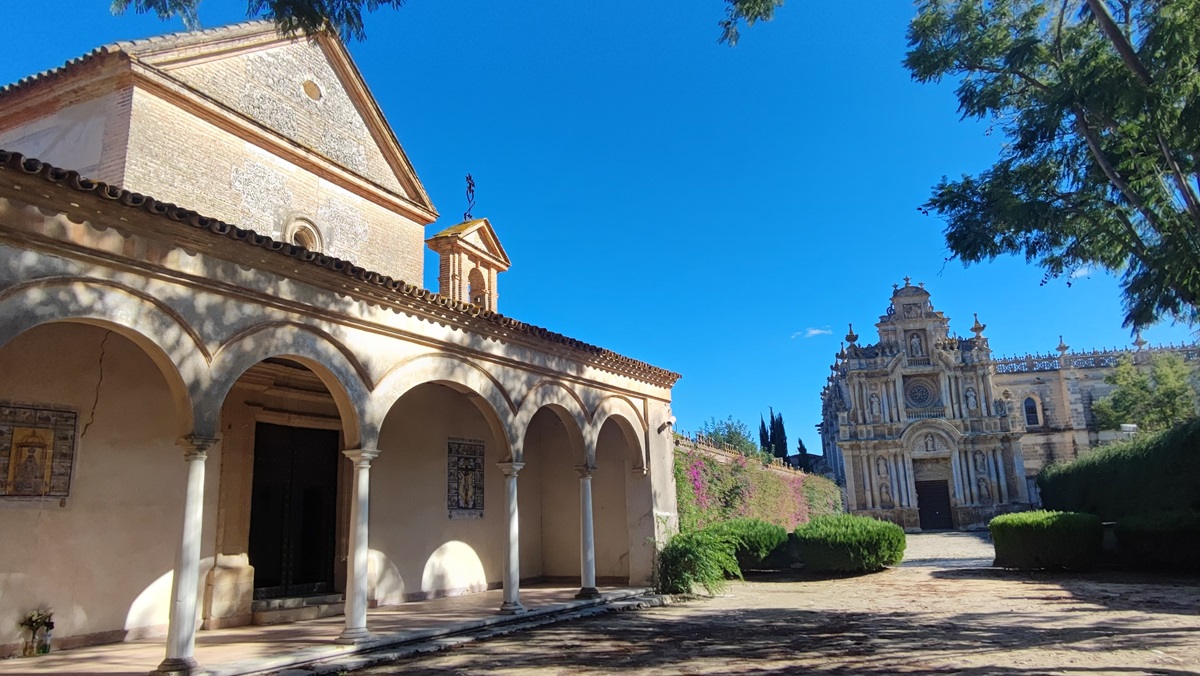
column 1154, row 400
column 346, row 16
column 1099, row 103
column 729, row 431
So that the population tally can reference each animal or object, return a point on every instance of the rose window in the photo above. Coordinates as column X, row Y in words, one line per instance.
column 920, row 395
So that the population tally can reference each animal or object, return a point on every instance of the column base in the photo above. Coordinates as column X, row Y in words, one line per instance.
column 511, row 608
column 588, row 593
column 179, row 666
column 353, row 636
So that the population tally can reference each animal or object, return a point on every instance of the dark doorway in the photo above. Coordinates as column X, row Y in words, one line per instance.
column 293, row 510
column 933, row 505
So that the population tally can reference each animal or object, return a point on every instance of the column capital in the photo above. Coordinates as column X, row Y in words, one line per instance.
column 510, row 468
column 361, row 457
column 196, row 447
column 585, row 471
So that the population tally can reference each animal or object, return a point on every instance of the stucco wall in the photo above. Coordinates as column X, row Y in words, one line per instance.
column 549, row 450
column 609, row 504
column 103, row 561
column 415, row 547
column 85, row 135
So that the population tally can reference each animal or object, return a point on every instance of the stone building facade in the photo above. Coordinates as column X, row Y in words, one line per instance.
column 210, row 410
column 931, row 430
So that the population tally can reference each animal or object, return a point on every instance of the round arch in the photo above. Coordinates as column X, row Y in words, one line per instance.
column 564, row 403
column 454, row 372
column 940, row 427
column 331, row 361
column 628, row 419
column 162, row 335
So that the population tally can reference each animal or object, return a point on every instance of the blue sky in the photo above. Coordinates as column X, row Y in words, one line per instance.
column 721, row 212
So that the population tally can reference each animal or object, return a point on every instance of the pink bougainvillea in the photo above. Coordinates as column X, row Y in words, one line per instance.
column 709, row 491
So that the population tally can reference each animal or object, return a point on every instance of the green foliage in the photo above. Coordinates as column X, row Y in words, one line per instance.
column 1101, row 118
column 698, row 559
column 745, row 11
column 755, row 540
column 1149, row 473
column 729, row 431
column 1153, row 401
column 346, row 16
column 772, row 436
column 849, row 543
column 1161, row 540
column 1045, row 539
column 708, row 491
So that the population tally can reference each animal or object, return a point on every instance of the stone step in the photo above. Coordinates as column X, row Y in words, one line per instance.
column 304, row 612
column 264, row 605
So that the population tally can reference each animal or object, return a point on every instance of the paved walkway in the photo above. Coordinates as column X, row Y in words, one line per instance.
column 945, row 611
column 264, row 649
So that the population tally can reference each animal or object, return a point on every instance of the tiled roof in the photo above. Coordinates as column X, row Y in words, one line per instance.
column 397, row 289
column 136, row 47
column 458, row 229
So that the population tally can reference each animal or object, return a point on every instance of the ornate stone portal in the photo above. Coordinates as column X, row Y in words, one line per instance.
column 916, row 442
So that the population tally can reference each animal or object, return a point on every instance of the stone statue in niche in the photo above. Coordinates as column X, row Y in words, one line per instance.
column 874, row 403
column 985, row 491
column 914, row 346
column 930, row 444
column 881, row 466
column 885, row 497
column 980, row 462
column 972, row 402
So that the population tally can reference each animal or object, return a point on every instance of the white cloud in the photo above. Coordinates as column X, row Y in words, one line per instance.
column 1085, row 271
column 811, row 332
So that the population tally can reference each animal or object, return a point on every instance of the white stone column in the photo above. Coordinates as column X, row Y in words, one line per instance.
column 181, row 632
column 910, row 480
column 956, row 472
column 587, row 539
column 974, row 478
column 359, row 551
column 512, row 559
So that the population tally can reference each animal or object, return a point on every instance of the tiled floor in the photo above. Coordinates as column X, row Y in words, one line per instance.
column 249, row 649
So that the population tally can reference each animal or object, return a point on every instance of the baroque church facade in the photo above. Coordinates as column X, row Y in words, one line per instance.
column 220, row 394
column 931, row 430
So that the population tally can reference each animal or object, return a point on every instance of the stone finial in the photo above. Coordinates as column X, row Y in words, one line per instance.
column 851, row 337
column 977, row 328
column 1139, row 342
column 1062, row 346
column 907, row 280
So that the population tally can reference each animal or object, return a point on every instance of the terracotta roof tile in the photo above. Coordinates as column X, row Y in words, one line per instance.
column 12, row 161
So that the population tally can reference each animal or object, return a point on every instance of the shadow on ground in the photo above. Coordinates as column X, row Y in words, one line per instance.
column 784, row 641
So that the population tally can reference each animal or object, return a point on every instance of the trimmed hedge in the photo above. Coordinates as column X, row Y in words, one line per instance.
column 1160, row 540
column 849, row 543
column 1045, row 539
column 755, row 540
column 709, row 491
column 702, row 558
column 1150, row 473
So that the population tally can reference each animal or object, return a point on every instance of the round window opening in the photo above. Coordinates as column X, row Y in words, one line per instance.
column 312, row 90
column 304, row 234
column 920, row 395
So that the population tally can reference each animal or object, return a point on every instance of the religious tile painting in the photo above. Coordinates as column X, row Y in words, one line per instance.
column 37, row 450
column 464, row 486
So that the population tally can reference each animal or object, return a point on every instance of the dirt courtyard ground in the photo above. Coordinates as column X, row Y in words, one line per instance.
column 944, row 611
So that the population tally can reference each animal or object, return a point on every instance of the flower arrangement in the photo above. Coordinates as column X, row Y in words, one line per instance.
column 37, row 621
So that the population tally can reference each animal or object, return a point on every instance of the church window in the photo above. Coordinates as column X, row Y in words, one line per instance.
column 303, row 233
column 1031, row 412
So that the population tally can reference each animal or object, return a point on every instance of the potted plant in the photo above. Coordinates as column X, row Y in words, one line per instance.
column 37, row 621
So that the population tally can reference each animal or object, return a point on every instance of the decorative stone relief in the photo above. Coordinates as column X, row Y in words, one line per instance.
column 931, row 443
column 37, row 450
column 344, row 228
column 265, row 197
column 464, row 480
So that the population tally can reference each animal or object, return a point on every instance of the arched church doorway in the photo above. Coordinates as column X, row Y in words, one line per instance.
column 284, row 489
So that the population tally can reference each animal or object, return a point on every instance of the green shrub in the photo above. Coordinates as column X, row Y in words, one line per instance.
column 1150, row 473
column 1160, row 540
column 1046, row 539
column 701, row 558
column 849, row 543
column 754, row 539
